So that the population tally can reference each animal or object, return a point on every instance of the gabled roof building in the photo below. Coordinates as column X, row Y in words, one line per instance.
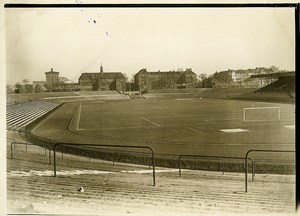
column 102, row 81
column 164, row 79
column 241, row 78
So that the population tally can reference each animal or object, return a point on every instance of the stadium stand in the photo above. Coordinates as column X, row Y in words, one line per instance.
column 284, row 82
column 20, row 115
column 282, row 85
column 281, row 89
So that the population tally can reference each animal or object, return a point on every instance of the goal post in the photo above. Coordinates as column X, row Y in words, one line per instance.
column 261, row 114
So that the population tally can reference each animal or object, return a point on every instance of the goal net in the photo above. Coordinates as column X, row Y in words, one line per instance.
column 261, row 114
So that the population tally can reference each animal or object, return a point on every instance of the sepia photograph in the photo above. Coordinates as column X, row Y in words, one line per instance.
column 150, row 109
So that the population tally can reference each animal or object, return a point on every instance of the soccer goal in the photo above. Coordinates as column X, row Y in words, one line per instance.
column 261, row 114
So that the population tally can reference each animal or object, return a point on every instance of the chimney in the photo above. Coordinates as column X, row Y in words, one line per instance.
column 51, row 69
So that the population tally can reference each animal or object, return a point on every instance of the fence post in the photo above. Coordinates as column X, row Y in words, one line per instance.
column 49, row 156
column 252, row 169
column 223, row 167
column 55, row 145
column 11, row 150
column 153, row 165
column 54, row 161
column 246, row 171
column 179, row 166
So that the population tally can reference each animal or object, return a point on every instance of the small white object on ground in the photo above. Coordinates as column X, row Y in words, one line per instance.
column 81, row 189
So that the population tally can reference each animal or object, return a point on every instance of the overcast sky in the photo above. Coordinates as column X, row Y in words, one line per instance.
column 73, row 41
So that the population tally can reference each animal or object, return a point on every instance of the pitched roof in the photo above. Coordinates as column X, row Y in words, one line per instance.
column 144, row 71
column 278, row 74
column 252, row 71
column 98, row 75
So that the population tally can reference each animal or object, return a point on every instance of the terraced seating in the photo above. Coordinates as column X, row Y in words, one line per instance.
column 282, row 85
column 14, row 136
column 20, row 115
column 123, row 189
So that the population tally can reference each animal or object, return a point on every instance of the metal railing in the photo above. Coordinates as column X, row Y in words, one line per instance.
column 26, row 148
column 219, row 158
column 269, row 161
column 113, row 151
column 100, row 145
column 246, row 162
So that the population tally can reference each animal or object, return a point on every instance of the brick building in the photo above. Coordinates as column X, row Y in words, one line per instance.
column 52, row 78
column 240, row 78
column 102, row 81
column 165, row 79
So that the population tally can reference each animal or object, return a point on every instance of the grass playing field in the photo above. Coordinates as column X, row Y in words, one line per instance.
column 175, row 126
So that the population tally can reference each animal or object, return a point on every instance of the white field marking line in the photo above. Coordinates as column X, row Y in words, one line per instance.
column 233, row 130
column 80, row 172
column 183, row 99
column 252, row 144
column 88, row 98
column 210, row 121
column 150, row 121
column 79, row 115
column 98, row 102
column 290, row 126
column 39, row 124
column 118, row 128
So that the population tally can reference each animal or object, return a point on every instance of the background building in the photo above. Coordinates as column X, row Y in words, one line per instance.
column 164, row 79
column 38, row 86
column 52, row 78
column 241, row 78
column 102, row 81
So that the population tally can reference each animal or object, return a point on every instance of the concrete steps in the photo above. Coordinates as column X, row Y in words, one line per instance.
column 31, row 188
column 20, row 115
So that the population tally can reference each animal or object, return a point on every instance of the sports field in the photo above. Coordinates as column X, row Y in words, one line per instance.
column 176, row 126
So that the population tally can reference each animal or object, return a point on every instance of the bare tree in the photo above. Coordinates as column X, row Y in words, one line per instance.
column 274, row 68
column 25, row 81
column 62, row 81
column 126, row 77
column 18, row 85
column 202, row 77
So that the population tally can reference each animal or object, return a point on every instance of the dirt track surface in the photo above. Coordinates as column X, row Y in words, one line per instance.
column 122, row 189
